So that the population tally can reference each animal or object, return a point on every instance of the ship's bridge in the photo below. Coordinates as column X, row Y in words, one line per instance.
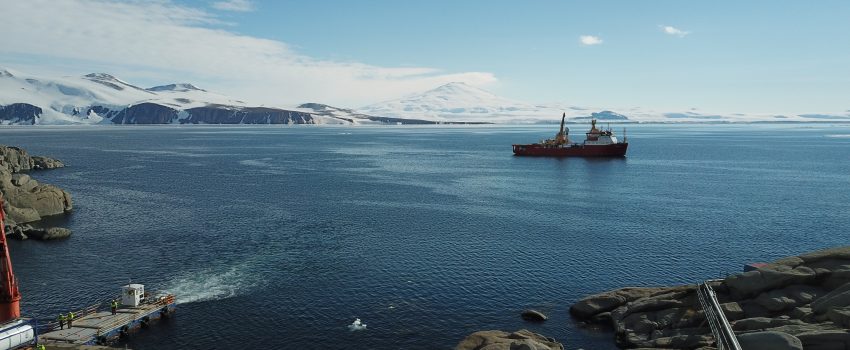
column 602, row 140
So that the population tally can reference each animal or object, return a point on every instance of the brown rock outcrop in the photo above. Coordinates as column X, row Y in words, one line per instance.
column 801, row 300
column 24, row 199
column 499, row 340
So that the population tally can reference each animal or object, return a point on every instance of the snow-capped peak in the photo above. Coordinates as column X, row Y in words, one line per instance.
column 176, row 87
column 459, row 87
column 102, row 76
column 456, row 101
column 5, row 73
column 110, row 81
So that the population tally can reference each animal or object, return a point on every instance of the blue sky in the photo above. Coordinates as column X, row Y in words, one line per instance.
column 719, row 56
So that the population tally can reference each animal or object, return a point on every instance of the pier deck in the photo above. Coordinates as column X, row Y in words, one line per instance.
column 102, row 327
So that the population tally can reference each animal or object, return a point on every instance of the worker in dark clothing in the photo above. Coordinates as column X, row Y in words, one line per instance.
column 70, row 319
column 114, row 306
column 61, row 319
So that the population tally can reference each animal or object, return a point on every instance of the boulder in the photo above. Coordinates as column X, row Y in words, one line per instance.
column 764, row 279
column 775, row 300
column 16, row 215
column 839, row 297
column 825, row 340
column 840, row 316
column 837, row 278
column 499, row 340
column 842, row 253
column 49, row 233
column 609, row 301
column 761, row 323
column 14, row 159
column 533, row 316
column 16, row 232
column 769, row 341
column 40, row 162
column 807, row 297
column 25, row 200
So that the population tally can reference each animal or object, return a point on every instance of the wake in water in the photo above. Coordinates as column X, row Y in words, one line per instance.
column 213, row 284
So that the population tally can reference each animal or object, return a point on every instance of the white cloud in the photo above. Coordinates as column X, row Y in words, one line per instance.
column 234, row 5
column 138, row 40
column 590, row 40
column 674, row 31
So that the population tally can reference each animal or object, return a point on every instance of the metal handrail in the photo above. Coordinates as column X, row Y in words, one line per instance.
column 720, row 328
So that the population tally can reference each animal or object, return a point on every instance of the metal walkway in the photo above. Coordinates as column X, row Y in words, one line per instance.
column 720, row 327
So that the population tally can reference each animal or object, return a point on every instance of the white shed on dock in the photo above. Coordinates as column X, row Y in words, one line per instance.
column 132, row 294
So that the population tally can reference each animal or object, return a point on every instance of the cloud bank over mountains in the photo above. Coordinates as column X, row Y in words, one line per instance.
column 162, row 39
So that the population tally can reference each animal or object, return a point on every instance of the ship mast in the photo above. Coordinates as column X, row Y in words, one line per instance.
column 10, row 297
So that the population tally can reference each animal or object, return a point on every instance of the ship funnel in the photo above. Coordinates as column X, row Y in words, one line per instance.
column 10, row 297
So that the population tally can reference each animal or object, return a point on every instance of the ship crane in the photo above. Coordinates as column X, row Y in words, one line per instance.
column 10, row 296
column 561, row 138
column 15, row 332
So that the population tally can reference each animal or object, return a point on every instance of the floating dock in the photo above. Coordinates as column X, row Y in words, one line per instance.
column 95, row 327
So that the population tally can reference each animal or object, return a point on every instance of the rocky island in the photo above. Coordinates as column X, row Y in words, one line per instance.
column 800, row 302
column 27, row 201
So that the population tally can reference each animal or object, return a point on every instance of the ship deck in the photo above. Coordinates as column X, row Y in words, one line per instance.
column 103, row 324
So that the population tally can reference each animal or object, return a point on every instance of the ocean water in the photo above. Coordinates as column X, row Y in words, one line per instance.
column 279, row 237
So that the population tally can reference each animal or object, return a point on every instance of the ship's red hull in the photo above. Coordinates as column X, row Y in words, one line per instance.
column 575, row 150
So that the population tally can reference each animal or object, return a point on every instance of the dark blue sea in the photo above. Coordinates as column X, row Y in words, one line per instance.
column 279, row 237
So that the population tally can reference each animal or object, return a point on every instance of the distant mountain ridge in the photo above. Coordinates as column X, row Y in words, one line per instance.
column 101, row 98
column 451, row 101
column 460, row 101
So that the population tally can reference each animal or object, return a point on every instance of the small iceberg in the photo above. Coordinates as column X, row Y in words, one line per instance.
column 357, row 325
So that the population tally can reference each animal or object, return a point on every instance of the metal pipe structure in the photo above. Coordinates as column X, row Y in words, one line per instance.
column 720, row 328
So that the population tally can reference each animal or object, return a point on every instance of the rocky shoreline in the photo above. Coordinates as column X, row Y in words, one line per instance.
column 499, row 340
column 800, row 302
column 25, row 200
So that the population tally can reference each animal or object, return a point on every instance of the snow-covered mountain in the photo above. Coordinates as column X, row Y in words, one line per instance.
column 101, row 98
column 451, row 101
column 462, row 102
column 354, row 117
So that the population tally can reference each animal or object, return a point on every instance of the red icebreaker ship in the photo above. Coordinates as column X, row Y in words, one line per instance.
column 599, row 143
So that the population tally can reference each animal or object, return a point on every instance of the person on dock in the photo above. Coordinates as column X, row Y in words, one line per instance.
column 61, row 319
column 114, row 306
column 70, row 319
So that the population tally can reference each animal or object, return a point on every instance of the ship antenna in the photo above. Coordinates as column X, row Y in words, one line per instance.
column 624, row 135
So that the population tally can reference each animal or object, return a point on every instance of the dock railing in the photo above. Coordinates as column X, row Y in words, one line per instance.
column 50, row 325
column 720, row 328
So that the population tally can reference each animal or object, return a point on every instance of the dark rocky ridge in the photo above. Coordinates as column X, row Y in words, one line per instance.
column 153, row 113
column 27, row 201
column 806, row 299
column 19, row 113
column 218, row 114
column 146, row 113
column 603, row 115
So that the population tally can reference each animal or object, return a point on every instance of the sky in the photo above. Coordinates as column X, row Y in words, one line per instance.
column 785, row 57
